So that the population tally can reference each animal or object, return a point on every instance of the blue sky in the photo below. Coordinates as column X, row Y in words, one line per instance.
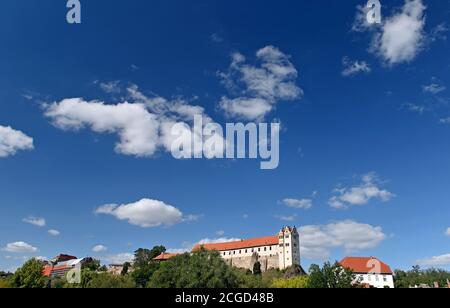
column 364, row 164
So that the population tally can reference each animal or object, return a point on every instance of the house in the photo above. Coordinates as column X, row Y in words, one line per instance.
column 62, row 264
column 370, row 271
column 273, row 252
column 165, row 257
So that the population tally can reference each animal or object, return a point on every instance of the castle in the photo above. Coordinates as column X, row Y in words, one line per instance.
column 274, row 252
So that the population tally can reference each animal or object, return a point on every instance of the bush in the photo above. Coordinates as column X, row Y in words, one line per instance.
column 202, row 269
column 30, row 275
column 300, row 282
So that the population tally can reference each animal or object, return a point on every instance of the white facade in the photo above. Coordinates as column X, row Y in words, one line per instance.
column 281, row 255
column 379, row 281
column 288, row 247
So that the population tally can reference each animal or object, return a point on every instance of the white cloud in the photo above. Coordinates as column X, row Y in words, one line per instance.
column 145, row 213
column 290, row 218
column 352, row 68
column 53, row 232
column 318, row 240
column 20, row 247
column 220, row 233
column 136, row 127
column 360, row 195
column 111, row 87
column 120, row 258
column 442, row 260
column 447, row 232
column 298, row 203
column 420, row 109
column 99, row 248
column 143, row 127
column 401, row 36
column 262, row 87
column 39, row 222
column 12, row 141
column 433, row 88
column 218, row 240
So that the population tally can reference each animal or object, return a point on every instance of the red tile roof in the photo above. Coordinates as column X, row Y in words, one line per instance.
column 257, row 242
column 366, row 265
column 165, row 256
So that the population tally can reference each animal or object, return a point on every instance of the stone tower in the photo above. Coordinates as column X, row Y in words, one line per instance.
column 289, row 247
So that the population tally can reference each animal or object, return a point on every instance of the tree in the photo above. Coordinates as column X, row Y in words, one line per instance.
column 144, row 256
column 110, row 281
column 417, row 276
column 331, row 277
column 30, row 275
column 257, row 269
column 126, row 268
column 202, row 269
column 144, row 266
column 299, row 282
column 92, row 264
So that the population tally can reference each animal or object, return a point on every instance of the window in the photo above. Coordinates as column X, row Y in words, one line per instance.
column 246, row 251
column 377, row 277
column 287, row 245
column 265, row 248
column 385, row 278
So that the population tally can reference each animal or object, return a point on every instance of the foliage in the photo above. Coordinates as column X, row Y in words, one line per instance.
column 92, row 265
column 5, row 283
column 126, row 268
column 417, row 276
column 257, row 269
column 330, row 277
column 144, row 266
column 202, row 269
column 299, row 282
column 30, row 275
column 110, row 281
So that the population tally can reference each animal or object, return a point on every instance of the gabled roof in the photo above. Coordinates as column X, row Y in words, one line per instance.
column 366, row 265
column 165, row 256
column 252, row 243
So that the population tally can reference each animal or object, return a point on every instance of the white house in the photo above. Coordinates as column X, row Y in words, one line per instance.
column 370, row 271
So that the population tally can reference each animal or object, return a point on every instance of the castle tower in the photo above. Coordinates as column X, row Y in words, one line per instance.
column 289, row 247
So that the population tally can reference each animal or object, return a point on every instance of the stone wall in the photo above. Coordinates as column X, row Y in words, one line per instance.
column 248, row 263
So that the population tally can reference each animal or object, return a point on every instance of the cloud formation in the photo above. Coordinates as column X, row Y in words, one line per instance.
column 20, row 247
column 304, row 204
column 442, row 260
column 400, row 37
column 145, row 213
column 259, row 88
column 12, row 141
column 317, row 241
column 39, row 222
column 99, row 248
column 53, row 232
column 360, row 195
column 352, row 68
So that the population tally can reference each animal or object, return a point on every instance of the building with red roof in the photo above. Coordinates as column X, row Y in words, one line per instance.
column 370, row 271
column 272, row 252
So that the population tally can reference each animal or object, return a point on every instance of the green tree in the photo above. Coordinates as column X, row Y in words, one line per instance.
column 417, row 276
column 92, row 264
column 144, row 266
column 257, row 269
column 330, row 277
column 110, row 281
column 126, row 268
column 299, row 282
column 30, row 275
column 202, row 269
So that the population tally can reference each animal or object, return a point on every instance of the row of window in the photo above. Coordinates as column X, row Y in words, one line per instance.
column 375, row 278
column 245, row 251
